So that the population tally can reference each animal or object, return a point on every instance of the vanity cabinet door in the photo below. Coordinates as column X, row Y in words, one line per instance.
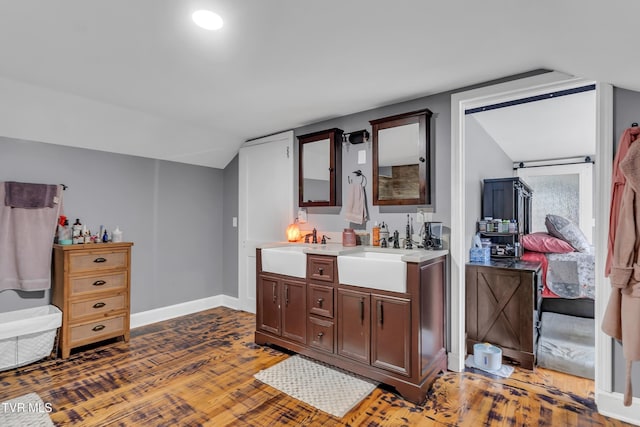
column 294, row 310
column 354, row 324
column 268, row 318
column 391, row 333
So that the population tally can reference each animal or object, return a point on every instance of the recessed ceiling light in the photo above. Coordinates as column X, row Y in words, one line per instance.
column 207, row 19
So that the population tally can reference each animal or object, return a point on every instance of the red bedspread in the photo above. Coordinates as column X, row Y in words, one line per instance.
column 541, row 258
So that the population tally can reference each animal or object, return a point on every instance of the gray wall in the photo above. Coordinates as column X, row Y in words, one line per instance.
column 230, row 253
column 484, row 159
column 626, row 110
column 330, row 219
column 173, row 213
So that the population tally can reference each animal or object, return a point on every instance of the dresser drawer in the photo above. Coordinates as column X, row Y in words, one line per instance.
column 321, row 268
column 320, row 300
column 320, row 334
column 101, row 328
column 95, row 306
column 97, row 283
column 97, row 260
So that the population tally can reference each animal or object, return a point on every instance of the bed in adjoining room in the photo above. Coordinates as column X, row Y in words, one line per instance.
column 566, row 295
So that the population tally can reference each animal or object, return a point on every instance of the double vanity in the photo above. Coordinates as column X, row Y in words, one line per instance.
column 376, row 312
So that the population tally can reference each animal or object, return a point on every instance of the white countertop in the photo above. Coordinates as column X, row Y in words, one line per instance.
column 336, row 249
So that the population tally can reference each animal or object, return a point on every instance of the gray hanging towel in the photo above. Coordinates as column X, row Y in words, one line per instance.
column 29, row 196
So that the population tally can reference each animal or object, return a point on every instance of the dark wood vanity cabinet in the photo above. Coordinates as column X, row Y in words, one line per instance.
column 500, row 308
column 282, row 307
column 354, row 325
column 375, row 329
column 394, row 338
column 391, row 333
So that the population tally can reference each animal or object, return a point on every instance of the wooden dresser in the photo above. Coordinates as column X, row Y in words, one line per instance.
column 91, row 285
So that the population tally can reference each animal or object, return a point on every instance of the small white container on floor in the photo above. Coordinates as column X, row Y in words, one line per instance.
column 487, row 356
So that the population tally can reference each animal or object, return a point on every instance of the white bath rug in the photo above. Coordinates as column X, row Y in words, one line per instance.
column 329, row 389
column 28, row 410
column 505, row 371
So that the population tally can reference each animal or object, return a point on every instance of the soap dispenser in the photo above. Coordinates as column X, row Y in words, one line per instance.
column 384, row 235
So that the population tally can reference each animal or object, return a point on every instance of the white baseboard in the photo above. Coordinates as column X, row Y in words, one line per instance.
column 165, row 313
column 454, row 362
column 611, row 405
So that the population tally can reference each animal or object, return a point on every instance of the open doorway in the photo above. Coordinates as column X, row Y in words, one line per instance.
column 608, row 402
column 548, row 142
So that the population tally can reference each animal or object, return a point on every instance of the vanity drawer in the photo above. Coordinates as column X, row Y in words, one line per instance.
column 320, row 334
column 95, row 306
column 97, row 283
column 320, row 300
column 321, row 268
column 97, row 260
column 102, row 328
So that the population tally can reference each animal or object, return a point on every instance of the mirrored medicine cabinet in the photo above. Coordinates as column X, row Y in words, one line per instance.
column 320, row 168
column 402, row 159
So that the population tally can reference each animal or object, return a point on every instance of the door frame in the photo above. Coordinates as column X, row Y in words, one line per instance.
column 609, row 403
column 245, row 242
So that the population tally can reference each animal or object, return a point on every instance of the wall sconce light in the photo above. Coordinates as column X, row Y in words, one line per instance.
column 357, row 137
column 293, row 232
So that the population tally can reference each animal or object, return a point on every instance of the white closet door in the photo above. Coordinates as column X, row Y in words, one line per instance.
column 266, row 202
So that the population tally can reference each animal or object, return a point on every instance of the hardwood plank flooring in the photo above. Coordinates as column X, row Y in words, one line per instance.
column 198, row 370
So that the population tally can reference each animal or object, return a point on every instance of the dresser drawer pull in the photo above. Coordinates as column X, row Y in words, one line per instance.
column 99, row 305
column 99, row 283
column 100, row 259
column 98, row 328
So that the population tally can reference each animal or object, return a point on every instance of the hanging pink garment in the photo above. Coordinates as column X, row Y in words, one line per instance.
column 617, row 186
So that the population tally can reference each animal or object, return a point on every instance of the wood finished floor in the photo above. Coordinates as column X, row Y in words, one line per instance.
column 198, row 370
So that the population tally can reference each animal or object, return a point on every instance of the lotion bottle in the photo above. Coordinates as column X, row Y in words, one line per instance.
column 375, row 231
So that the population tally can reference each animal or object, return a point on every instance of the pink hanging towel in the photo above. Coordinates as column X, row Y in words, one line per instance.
column 26, row 238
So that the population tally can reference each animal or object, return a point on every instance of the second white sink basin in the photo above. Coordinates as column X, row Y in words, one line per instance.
column 376, row 270
column 287, row 260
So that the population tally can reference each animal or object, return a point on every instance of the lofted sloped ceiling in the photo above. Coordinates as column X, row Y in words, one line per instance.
column 549, row 129
column 281, row 64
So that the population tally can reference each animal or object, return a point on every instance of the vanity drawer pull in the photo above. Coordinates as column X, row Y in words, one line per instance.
column 380, row 313
column 98, row 328
column 321, row 271
column 100, row 259
column 99, row 305
column 320, row 301
column 320, row 335
column 99, row 283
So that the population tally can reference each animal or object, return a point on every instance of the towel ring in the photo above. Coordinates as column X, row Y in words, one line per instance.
column 360, row 174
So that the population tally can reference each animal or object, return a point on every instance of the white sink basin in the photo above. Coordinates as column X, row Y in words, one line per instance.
column 376, row 270
column 287, row 260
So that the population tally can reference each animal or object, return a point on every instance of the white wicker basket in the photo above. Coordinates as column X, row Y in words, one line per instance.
column 27, row 335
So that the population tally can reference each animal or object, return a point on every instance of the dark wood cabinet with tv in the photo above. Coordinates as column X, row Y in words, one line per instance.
column 507, row 199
